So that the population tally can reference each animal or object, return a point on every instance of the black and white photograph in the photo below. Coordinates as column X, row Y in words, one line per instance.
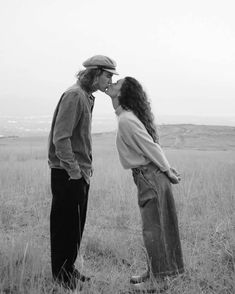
column 117, row 147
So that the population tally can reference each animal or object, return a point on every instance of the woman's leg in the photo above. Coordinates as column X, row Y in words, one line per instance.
column 160, row 225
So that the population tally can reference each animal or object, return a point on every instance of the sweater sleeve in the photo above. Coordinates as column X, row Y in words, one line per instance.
column 68, row 114
column 137, row 137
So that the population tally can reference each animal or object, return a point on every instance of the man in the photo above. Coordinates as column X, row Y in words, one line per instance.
column 70, row 160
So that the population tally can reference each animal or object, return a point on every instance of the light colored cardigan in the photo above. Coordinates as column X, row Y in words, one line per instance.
column 134, row 144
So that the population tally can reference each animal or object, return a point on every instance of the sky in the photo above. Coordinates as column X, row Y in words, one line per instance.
column 182, row 52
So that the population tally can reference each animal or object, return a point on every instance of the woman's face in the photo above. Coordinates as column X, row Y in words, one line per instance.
column 113, row 90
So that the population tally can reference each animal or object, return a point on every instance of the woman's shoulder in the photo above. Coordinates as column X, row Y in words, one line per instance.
column 127, row 114
column 128, row 118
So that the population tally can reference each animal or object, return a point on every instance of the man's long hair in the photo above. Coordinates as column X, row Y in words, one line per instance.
column 88, row 77
column 133, row 97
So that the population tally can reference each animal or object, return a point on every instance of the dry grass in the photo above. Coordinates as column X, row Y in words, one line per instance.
column 112, row 247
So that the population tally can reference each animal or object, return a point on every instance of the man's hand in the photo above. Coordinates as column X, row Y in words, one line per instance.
column 76, row 176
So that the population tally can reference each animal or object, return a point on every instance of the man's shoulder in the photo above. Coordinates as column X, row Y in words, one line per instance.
column 76, row 89
column 76, row 93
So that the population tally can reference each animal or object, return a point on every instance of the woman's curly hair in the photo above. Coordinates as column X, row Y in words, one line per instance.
column 133, row 97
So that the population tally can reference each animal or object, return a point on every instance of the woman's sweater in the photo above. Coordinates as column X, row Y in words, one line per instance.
column 134, row 144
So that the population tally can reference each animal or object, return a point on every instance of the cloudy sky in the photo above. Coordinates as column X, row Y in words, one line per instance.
column 183, row 52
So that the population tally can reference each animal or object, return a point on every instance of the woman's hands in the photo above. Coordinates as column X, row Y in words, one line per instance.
column 173, row 176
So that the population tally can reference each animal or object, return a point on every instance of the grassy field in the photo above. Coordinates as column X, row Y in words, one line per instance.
column 112, row 247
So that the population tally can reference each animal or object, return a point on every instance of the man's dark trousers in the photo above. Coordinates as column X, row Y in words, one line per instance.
column 67, row 220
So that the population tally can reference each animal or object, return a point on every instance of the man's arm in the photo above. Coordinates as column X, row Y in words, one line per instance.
column 69, row 113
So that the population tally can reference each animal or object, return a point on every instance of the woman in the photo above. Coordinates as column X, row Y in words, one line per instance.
column 138, row 147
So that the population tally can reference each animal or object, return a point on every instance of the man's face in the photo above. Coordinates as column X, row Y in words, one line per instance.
column 104, row 80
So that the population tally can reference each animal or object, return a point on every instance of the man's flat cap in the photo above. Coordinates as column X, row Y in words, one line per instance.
column 101, row 61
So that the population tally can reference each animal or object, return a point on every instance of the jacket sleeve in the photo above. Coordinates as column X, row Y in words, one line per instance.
column 69, row 113
column 137, row 137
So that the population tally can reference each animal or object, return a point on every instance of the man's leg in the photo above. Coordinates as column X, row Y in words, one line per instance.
column 67, row 220
column 79, row 192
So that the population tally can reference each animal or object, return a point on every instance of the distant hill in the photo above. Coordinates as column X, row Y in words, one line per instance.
column 197, row 136
column 189, row 136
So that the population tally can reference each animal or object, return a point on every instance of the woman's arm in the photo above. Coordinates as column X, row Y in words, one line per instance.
column 140, row 140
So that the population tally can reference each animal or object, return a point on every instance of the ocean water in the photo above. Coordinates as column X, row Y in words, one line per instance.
column 40, row 125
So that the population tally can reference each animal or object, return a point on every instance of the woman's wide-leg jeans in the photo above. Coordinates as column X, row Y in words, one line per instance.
column 159, row 221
